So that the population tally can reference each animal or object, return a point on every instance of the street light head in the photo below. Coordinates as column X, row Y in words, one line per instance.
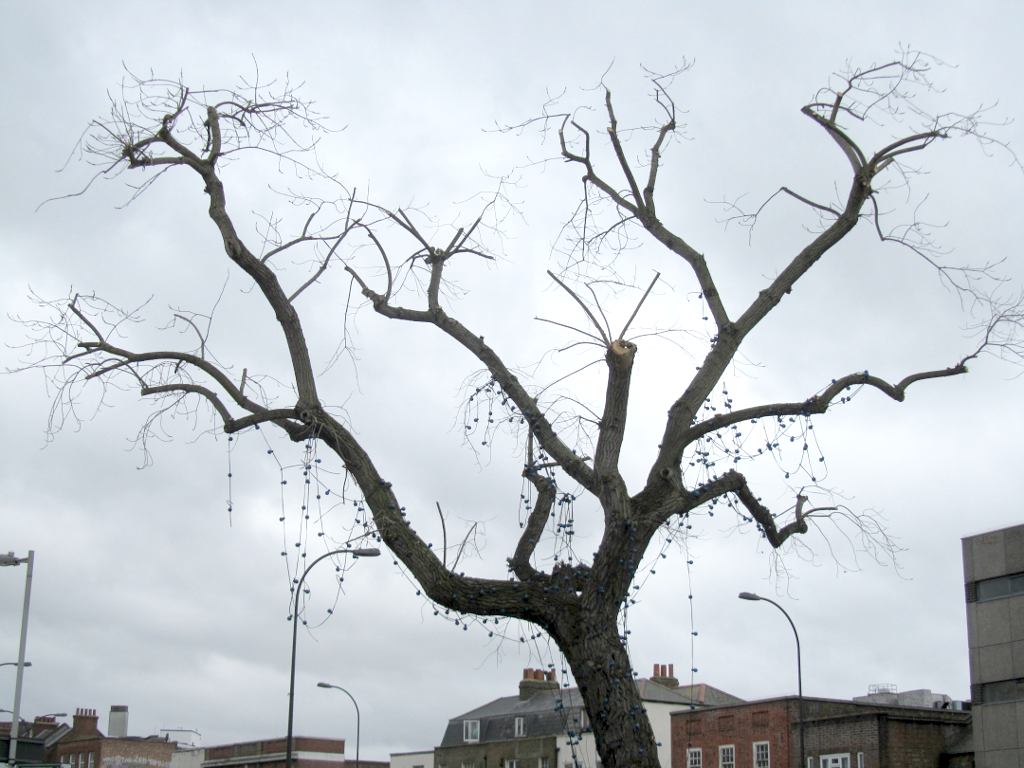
column 10, row 559
column 748, row 596
column 367, row 552
column 324, row 685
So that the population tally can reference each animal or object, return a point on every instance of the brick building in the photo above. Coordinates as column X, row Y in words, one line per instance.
column 307, row 752
column 837, row 734
column 85, row 746
column 994, row 586
column 35, row 739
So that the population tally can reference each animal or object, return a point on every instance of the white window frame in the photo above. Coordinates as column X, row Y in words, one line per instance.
column 767, row 762
column 520, row 727
column 694, row 758
column 835, row 760
column 860, row 760
column 722, row 762
column 471, row 731
column 511, row 763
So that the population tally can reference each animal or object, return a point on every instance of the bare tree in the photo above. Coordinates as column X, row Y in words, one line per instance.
column 159, row 126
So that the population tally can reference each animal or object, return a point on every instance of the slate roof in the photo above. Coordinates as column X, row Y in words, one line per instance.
column 546, row 713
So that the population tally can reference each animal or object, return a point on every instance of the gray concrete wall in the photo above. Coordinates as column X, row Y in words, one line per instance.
column 995, row 638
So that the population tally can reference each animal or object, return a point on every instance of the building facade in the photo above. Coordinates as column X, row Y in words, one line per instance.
column 837, row 734
column 994, row 587
column 271, row 753
column 546, row 726
column 85, row 746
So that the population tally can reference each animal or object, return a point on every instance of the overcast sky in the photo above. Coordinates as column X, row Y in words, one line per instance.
column 149, row 593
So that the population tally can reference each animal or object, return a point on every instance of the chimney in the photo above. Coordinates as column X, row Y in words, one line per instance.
column 84, row 723
column 536, row 681
column 117, row 724
column 664, row 675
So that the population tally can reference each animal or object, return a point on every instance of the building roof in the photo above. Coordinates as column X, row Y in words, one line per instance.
column 546, row 713
column 708, row 695
column 854, row 707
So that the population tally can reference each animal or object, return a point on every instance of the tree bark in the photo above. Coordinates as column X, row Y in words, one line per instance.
column 601, row 666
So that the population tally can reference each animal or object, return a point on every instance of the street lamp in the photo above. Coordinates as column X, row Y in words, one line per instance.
column 338, row 687
column 368, row 552
column 14, row 664
column 799, row 673
column 12, row 560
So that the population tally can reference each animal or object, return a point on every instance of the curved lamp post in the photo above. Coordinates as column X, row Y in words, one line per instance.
column 354, row 704
column 368, row 552
column 799, row 673
column 11, row 559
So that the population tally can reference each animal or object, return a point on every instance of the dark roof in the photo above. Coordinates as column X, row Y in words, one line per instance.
column 545, row 713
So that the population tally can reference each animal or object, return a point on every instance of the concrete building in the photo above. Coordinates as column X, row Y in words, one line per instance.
column 546, row 726
column 423, row 758
column 837, row 734
column 994, row 587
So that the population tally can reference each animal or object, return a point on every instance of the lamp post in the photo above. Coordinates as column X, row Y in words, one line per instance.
column 368, row 552
column 354, row 704
column 799, row 673
column 12, row 560
column 14, row 664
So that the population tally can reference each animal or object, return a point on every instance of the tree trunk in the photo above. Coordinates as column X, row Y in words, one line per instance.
column 601, row 666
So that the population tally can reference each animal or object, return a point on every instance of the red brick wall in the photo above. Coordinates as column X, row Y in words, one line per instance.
column 739, row 726
column 889, row 737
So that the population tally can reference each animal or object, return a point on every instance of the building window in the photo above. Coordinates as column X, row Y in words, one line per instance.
column 762, row 755
column 520, row 726
column 468, row 764
column 92, row 760
column 727, row 756
column 1002, row 690
column 860, row 760
column 471, row 730
column 1001, row 586
column 543, row 762
column 835, row 761
column 694, row 758
column 511, row 764
column 81, row 760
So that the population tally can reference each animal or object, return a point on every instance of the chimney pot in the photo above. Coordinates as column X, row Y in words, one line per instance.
column 536, row 681
column 671, row 670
